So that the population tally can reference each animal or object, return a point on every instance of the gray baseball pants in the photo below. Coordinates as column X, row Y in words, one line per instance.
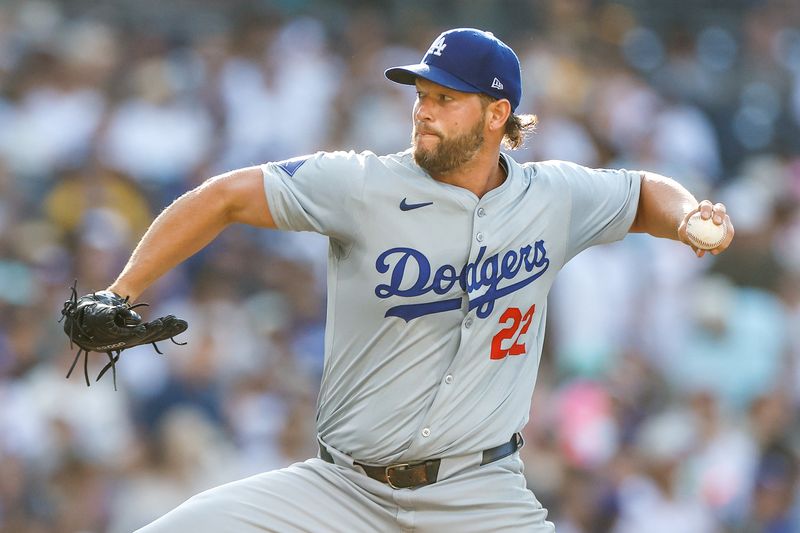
column 319, row 497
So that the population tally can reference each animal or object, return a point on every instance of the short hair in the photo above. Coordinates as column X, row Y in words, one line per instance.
column 518, row 127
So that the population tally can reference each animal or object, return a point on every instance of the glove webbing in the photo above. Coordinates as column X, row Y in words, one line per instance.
column 69, row 307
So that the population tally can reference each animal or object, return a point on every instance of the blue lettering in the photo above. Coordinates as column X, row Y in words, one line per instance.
column 471, row 271
column 524, row 252
column 510, row 267
column 412, row 311
column 474, row 275
column 399, row 270
column 541, row 260
column 444, row 279
column 489, row 271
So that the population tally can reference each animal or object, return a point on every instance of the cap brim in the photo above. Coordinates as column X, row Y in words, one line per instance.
column 408, row 74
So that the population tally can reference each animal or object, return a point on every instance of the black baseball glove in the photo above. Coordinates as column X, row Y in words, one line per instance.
column 105, row 322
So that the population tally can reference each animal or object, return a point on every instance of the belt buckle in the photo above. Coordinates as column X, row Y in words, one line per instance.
column 388, row 471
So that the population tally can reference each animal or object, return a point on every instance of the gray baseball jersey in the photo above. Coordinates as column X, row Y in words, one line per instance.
column 437, row 299
column 436, row 313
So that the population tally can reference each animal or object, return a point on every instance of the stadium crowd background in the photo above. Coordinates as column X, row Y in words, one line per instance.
column 668, row 393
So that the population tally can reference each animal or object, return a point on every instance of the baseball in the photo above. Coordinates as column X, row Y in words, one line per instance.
column 704, row 234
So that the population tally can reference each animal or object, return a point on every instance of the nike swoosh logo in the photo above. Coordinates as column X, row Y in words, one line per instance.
column 405, row 206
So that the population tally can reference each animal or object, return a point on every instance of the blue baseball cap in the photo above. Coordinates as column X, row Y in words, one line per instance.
column 470, row 61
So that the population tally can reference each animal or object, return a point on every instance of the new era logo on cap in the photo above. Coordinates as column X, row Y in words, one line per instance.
column 475, row 62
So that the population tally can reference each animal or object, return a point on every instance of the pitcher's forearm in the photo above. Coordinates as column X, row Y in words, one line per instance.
column 182, row 229
column 663, row 204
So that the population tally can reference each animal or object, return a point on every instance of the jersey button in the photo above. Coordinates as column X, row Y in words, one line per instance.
column 481, row 212
column 479, row 237
column 426, row 432
column 448, row 379
column 468, row 322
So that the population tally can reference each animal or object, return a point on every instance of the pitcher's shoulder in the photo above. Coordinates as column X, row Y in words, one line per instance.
column 552, row 166
column 369, row 165
column 545, row 170
column 348, row 161
column 404, row 158
column 569, row 171
column 402, row 163
column 369, row 158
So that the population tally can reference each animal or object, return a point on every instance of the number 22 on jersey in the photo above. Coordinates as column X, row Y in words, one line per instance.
column 516, row 326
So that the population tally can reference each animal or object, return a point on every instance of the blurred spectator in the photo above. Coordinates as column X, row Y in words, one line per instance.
column 653, row 501
column 736, row 344
column 774, row 493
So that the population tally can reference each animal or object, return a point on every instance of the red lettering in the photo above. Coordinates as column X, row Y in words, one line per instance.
column 516, row 325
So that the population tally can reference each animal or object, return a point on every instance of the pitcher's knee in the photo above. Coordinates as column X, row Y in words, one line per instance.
column 199, row 514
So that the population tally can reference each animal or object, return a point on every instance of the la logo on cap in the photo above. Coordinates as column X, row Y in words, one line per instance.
column 438, row 46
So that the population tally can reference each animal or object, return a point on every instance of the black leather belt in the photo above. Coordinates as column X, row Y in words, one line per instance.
column 410, row 475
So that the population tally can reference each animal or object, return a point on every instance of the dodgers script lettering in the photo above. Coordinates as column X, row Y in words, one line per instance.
column 411, row 275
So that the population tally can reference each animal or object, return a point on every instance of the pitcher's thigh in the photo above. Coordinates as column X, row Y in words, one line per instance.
column 305, row 497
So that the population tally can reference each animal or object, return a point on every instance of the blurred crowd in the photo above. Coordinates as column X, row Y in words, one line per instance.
column 668, row 394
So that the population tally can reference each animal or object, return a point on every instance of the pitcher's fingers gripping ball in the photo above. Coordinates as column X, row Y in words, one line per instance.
column 707, row 228
column 105, row 322
column 705, row 234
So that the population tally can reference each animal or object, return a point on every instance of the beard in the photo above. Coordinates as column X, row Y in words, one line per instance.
column 450, row 153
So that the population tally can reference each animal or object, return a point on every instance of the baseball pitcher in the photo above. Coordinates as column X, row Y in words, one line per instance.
column 440, row 261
